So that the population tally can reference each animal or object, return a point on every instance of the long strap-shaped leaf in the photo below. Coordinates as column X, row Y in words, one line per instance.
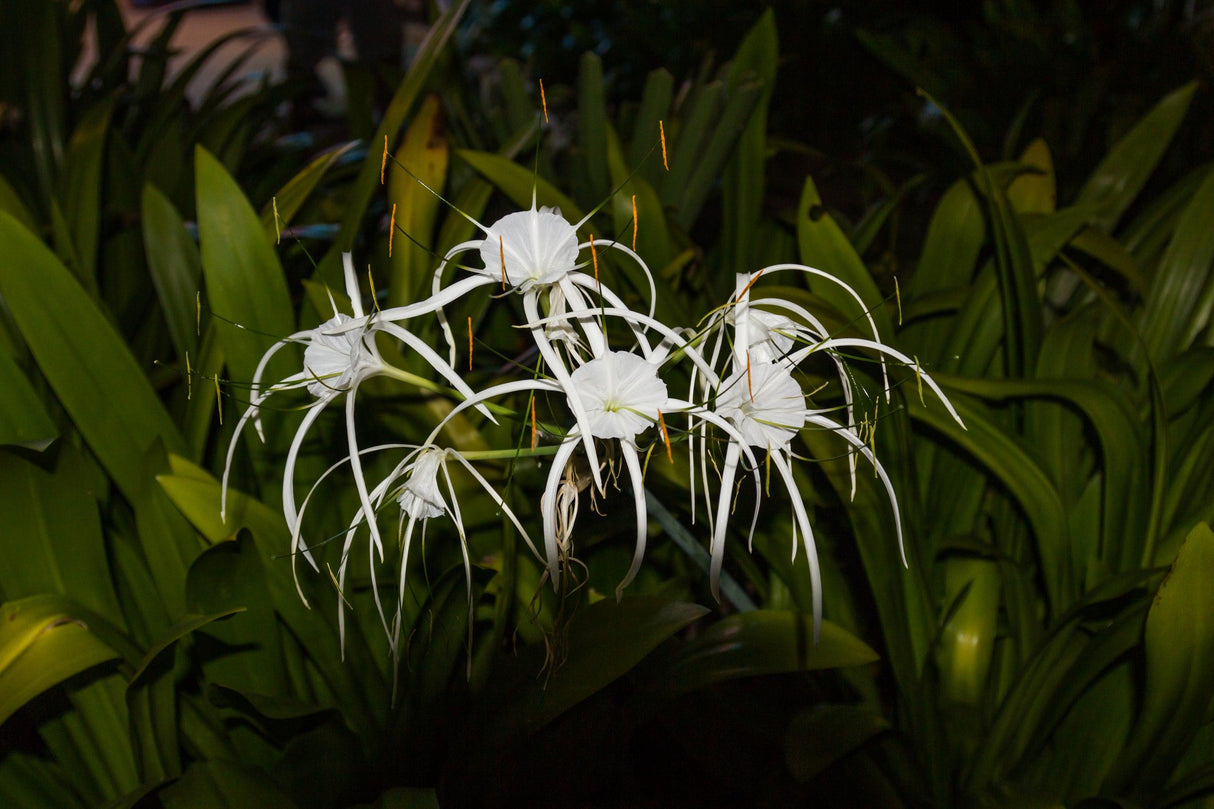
column 86, row 362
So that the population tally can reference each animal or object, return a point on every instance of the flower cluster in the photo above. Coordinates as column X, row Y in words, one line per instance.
column 611, row 369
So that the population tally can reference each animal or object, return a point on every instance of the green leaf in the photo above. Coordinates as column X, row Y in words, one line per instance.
column 37, row 56
column 1013, row 262
column 1126, row 168
column 730, row 122
column 29, row 779
column 685, row 141
column 954, row 240
column 967, row 639
column 84, row 359
column 165, row 113
column 228, row 578
column 424, row 151
column 592, row 125
column 818, row 738
column 23, row 419
column 762, row 642
column 1073, row 762
column 605, row 641
column 440, row 637
column 42, row 643
column 12, row 204
column 655, row 105
column 245, row 284
column 1123, row 456
column 194, row 491
column 176, row 632
column 80, row 185
column 175, row 267
column 755, row 62
column 653, row 242
column 1178, row 304
column 517, row 105
column 1003, row 457
column 291, row 197
column 1056, row 673
column 1034, row 190
column 866, row 230
column 824, row 246
column 517, row 182
column 152, row 702
column 52, row 540
column 224, row 785
column 402, row 102
column 1179, row 646
column 1111, row 253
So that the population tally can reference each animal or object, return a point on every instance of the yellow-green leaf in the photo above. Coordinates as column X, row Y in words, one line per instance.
column 86, row 362
column 42, row 643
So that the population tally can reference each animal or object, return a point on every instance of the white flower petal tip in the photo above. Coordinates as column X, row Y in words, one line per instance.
column 530, row 247
column 621, row 393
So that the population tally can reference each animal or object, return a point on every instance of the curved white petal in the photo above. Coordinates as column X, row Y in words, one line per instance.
column 642, row 515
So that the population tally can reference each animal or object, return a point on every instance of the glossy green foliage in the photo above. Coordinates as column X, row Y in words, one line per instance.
column 1048, row 641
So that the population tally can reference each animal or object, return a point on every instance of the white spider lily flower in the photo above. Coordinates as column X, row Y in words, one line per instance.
column 336, row 352
column 762, row 399
column 765, row 403
column 772, row 335
column 420, row 497
column 339, row 355
column 426, row 476
column 530, row 247
column 622, row 394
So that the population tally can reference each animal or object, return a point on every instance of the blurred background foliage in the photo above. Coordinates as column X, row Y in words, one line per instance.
column 1021, row 193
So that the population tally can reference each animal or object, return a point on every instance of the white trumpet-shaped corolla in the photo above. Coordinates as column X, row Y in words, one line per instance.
column 622, row 394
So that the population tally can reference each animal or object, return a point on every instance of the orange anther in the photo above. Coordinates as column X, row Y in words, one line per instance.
column 749, row 385
column 543, row 101
column 391, row 229
column 662, row 133
column 634, row 223
column 501, row 246
column 594, row 256
column 665, row 437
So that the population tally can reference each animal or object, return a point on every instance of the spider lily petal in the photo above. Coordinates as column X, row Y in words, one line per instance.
column 882, row 348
